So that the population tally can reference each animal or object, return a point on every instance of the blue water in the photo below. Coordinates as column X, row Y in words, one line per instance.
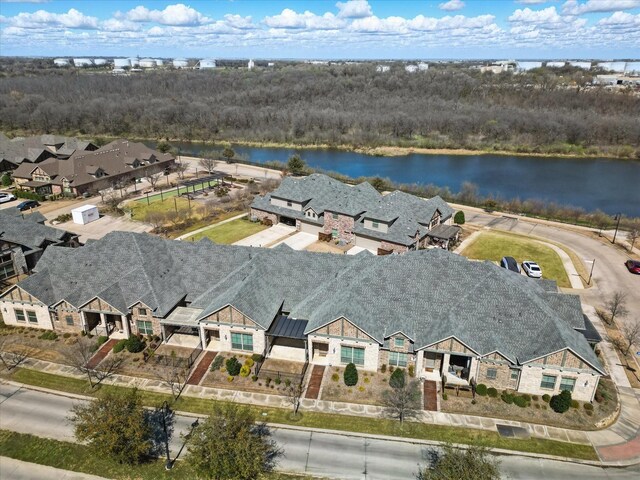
column 590, row 183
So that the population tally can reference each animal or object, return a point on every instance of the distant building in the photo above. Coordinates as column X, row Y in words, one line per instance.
column 582, row 65
column 135, row 62
column 82, row 62
column 526, row 66
column 122, row 63
column 617, row 67
column 632, row 69
column 180, row 63
column 99, row 61
column 206, row 64
column 148, row 63
column 251, row 64
column 556, row 64
column 423, row 66
column 61, row 62
column 159, row 62
column 383, row 68
column 411, row 68
column 271, row 64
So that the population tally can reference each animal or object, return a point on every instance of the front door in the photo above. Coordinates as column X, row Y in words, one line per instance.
column 320, row 350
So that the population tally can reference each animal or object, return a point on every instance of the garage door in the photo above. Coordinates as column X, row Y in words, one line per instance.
column 310, row 228
column 367, row 243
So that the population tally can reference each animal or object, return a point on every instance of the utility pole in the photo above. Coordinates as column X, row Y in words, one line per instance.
column 165, row 409
column 617, row 217
column 591, row 272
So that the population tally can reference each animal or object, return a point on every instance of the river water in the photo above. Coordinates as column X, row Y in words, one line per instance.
column 590, row 183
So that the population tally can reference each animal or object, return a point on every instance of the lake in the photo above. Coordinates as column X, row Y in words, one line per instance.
column 590, row 183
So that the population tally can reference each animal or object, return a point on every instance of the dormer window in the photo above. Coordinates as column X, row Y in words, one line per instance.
column 334, row 216
column 289, row 204
column 375, row 224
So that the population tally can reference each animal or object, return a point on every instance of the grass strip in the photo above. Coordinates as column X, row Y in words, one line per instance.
column 81, row 458
column 230, row 232
column 346, row 423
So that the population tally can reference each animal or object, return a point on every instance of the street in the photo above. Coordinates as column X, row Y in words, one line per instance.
column 330, row 455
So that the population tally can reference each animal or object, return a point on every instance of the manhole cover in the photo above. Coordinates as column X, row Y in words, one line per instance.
column 512, row 432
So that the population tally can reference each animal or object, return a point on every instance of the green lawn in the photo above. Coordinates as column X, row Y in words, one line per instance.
column 348, row 423
column 156, row 197
column 230, row 232
column 494, row 246
column 81, row 458
column 140, row 209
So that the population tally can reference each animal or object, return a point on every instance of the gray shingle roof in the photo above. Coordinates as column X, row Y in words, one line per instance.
column 30, row 216
column 29, row 234
column 429, row 295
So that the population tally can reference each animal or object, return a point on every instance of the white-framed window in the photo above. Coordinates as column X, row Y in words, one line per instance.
column 334, row 216
column 492, row 373
column 398, row 342
column 398, row 359
column 145, row 327
column 20, row 316
column 548, row 382
column 567, row 383
column 242, row 341
column 514, row 373
column 69, row 319
column 142, row 312
column 375, row 224
column 353, row 355
column 31, row 316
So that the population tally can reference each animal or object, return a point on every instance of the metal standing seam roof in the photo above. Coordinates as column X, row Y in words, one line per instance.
column 287, row 327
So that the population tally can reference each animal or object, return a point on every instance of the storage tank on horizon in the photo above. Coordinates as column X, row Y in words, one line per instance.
column 61, row 62
column 556, row 64
column 206, row 63
column 617, row 67
column 524, row 66
column 122, row 63
column 99, row 61
column 135, row 61
column 180, row 63
column 582, row 65
column 82, row 62
column 148, row 63
column 159, row 62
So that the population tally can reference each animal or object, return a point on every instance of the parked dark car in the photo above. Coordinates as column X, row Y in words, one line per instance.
column 27, row 205
column 633, row 266
column 510, row 264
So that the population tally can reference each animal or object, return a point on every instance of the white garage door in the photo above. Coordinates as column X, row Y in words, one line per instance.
column 367, row 243
column 310, row 228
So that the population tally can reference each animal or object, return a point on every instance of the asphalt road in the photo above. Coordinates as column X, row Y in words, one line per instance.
column 328, row 455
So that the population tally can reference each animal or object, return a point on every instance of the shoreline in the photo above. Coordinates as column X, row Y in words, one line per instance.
column 377, row 151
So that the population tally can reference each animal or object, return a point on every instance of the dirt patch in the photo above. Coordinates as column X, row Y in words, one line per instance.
column 367, row 391
column 629, row 362
column 327, row 247
column 538, row 411
column 27, row 341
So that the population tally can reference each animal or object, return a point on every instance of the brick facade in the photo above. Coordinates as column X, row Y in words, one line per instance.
column 67, row 318
column 261, row 215
column 502, row 379
column 142, row 312
column 344, row 224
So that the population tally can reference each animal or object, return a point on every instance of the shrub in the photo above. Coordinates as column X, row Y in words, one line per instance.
column 411, row 370
column 391, row 368
column 458, row 218
column 367, row 380
column 249, row 362
column 526, row 396
column 230, row 378
column 217, row 363
column 287, row 383
column 350, row 375
column 118, row 347
column 588, row 407
column 520, row 401
column 383, row 368
column 492, row 392
column 361, row 388
column 278, row 381
column 535, row 398
column 28, row 195
column 254, row 378
column 481, row 389
column 575, row 404
column 66, row 335
column 507, row 397
column 233, row 366
column 397, row 379
column 537, row 406
column 589, row 412
column 546, row 398
column 335, row 377
column 267, row 381
column 48, row 335
column 473, row 402
column 64, row 217
column 134, row 344
column 560, row 403
column 257, row 358
column 445, row 396
column 245, row 370
column 6, row 180
column 102, row 339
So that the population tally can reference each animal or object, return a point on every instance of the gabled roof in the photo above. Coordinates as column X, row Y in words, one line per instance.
column 30, row 149
column 27, row 233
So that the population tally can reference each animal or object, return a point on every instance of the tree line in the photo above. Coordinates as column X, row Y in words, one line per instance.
column 333, row 105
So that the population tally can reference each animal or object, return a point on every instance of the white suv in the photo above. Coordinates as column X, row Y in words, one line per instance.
column 532, row 269
column 6, row 197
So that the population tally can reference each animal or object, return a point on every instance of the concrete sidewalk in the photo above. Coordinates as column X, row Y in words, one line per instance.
column 12, row 469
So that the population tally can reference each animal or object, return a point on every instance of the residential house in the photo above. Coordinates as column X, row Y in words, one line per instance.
column 448, row 317
column 358, row 215
column 119, row 161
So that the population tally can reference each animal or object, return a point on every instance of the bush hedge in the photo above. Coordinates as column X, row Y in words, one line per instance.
column 48, row 335
column 233, row 366
column 397, row 379
column 134, row 344
column 492, row 392
column 458, row 218
column 562, row 402
column 350, row 375
column 588, row 406
column 102, row 339
column 575, row 404
column 546, row 398
column 217, row 363
column 245, row 370
column 481, row 389
column 506, row 397
column 520, row 401
column 256, row 357
column 118, row 347
column 28, row 195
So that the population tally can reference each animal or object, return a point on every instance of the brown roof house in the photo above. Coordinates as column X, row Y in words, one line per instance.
column 120, row 160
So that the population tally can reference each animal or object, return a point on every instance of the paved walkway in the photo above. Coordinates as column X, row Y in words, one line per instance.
column 313, row 389
column 11, row 469
column 102, row 352
column 201, row 369
column 267, row 237
column 430, row 396
column 195, row 232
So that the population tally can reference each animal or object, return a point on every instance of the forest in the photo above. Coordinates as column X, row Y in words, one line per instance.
column 338, row 105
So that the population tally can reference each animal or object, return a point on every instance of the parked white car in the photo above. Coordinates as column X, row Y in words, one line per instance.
column 532, row 269
column 6, row 197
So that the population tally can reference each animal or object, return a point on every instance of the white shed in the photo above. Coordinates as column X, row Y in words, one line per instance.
column 556, row 64
column 85, row 214
column 148, row 63
column 205, row 64
column 99, row 61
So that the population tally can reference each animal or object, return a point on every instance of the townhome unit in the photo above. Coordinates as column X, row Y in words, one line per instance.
column 116, row 162
column 452, row 319
column 358, row 215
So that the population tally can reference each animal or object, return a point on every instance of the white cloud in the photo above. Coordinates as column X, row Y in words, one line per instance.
column 546, row 15
column 533, row 2
column 41, row 19
column 178, row 14
column 447, row 23
column 25, row 1
column 452, row 5
column 573, row 7
column 374, row 24
column 238, row 21
column 621, row 19
column 292, row 20
column 354, row 9
column 116, row 25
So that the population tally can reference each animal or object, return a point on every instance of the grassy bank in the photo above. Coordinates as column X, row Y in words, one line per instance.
column 344, row 423
column 230, row 232
column 81, row 458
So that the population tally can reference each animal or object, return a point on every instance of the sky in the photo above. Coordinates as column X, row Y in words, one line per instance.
column 346, row 29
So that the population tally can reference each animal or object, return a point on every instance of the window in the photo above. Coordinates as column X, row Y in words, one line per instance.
column 334, row 216
column 375, row 224
column 352, row 355
column 145, row 327
column 548, row 382
column 142, row 312
column 6, row 266
column 289, row 204
column 398, row 359
column 567, row 384
column 242, row 341
column 69, row 319
column 20, row 316
column 514, row 374
column 334, row 232
column 492, row 373
column 398, row 342
column 31, row 316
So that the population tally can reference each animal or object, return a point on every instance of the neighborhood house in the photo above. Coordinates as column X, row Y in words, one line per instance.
column 452, row 319
column 358, row 215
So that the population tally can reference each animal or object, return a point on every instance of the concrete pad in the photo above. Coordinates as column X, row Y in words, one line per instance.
column 267, row 237
column 105, row 224
column 299, row 241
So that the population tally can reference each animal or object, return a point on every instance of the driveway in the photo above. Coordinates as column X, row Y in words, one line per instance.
column 105, row 224
column 267, row 237
column 299, row 241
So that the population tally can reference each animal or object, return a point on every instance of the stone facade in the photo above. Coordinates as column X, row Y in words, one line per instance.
column 99, row 305
column 502, row 380
column 451, row 345
column 230, row 315
column 223, row 343
column 342, row 327
column 17, row 300
column 261, row 215
column 141, row 312
column 344, row 225
column 393, row 247
column 333, row 357
column 67, row 318
column 584, row 389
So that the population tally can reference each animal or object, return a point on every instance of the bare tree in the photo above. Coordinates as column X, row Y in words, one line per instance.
column 18, row 354
column 79, row 355
column 403, row 402
column 153, row 179
column 294, row 395
column 180, row 167
column 155, row 219
column 208, row 163
column 633, row 235
column 110, row 197
column 174, row 375
column 617, row 305
column 630, row 333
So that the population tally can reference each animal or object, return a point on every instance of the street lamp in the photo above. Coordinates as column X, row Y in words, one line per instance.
column 617, row 217
column 165, row 409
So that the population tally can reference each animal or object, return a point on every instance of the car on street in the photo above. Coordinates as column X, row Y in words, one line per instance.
column 6, row 197
column 633, row 266
column 27, row 205
column 510, row 264
column 532, row 269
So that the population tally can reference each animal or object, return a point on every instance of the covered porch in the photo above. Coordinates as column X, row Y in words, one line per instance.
column 106, row 324
column 454, row 367
column 286, row 340
column 181, row 328
column 444, row 236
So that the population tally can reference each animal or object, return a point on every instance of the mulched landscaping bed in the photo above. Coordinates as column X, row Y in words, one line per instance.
column 367, row 391
column 538, row 411
column 50, row 348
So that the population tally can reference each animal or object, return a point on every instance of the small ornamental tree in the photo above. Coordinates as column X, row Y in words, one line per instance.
column 228, row 154
column 397, row 379
column 469, row 464
column 350, row 375
column 134, row 344
column 562, row 402
column 6, row 180
column 459, row 218
column 296, row 165
column 233, row 366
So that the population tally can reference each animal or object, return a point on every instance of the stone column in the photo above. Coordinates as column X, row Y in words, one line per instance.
column 203, row 336
column 125, row 326
column 445, row 363
column 83, row 320
column 419, row 363
column 103, row 323
column 473, row 370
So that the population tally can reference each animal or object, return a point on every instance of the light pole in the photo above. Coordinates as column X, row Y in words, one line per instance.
column 165, row 408
column 591, row 272
column 617, row 217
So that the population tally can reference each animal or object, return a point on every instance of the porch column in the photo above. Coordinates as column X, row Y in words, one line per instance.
column 419, row 363
column 125, row 325
column 103, row 320
column 203, row 336
column 445, row 363
column 83, row 320
column 473, row 369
